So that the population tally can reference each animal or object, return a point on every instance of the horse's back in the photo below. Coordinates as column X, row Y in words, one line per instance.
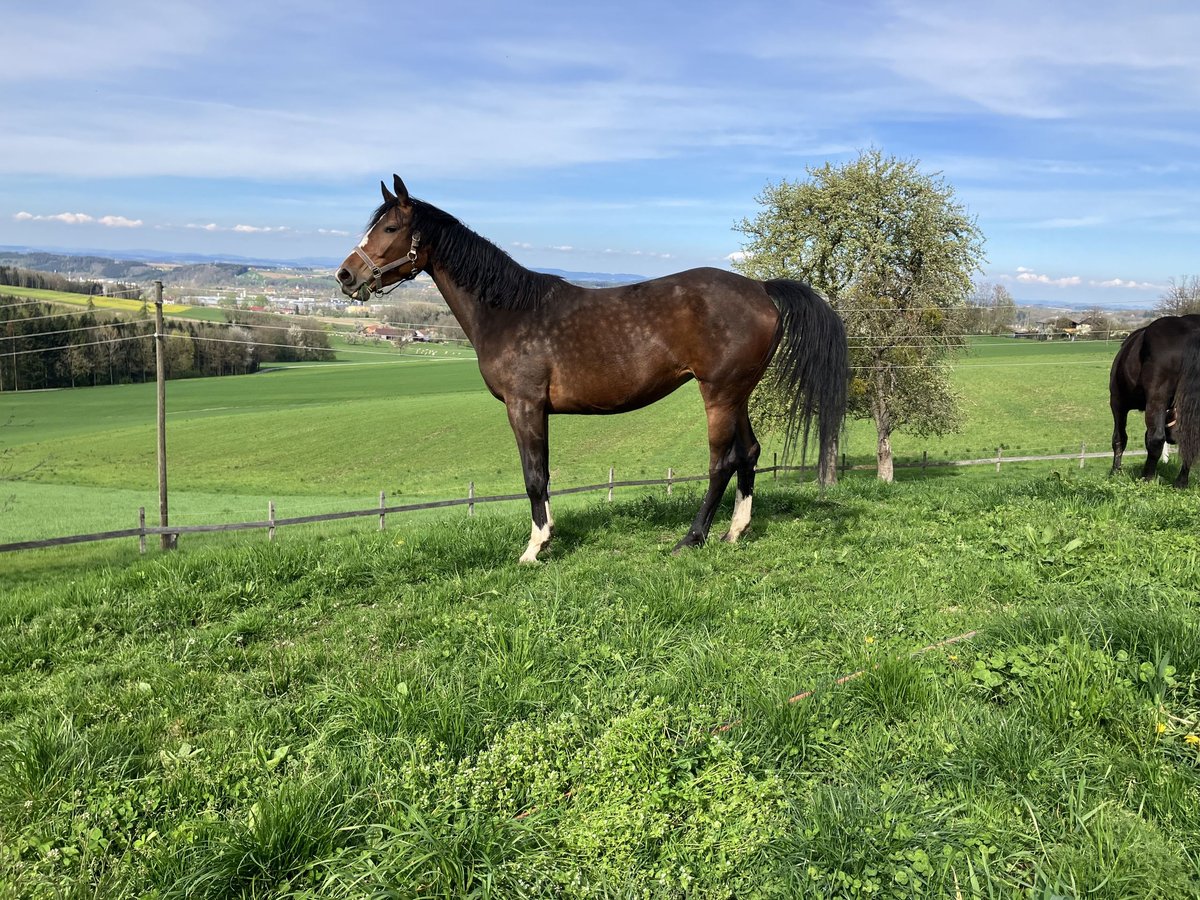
column 1149, row 363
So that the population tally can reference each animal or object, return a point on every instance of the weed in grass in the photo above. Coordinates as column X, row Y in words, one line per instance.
column 456, row 853
column 1094, row 848
column 287, row 839
column 891, row 690
column 869, row 839
column 40, row 763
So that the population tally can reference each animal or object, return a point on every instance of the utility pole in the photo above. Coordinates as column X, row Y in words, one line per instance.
column 160, row 367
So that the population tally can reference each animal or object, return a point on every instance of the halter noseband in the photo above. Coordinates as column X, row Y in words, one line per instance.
column 377, row 272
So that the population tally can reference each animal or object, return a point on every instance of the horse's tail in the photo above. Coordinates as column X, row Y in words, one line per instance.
column 812, row 367
column 1187, row 403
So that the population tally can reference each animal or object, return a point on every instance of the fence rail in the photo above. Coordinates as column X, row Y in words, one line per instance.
column 272, row 522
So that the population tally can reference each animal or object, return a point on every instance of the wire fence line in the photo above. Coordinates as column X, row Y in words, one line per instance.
column 471, row 500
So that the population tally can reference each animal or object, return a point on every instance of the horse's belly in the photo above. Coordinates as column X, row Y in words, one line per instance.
column 610, row 393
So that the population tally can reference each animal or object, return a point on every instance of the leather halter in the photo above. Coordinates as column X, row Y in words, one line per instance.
column 377, row 271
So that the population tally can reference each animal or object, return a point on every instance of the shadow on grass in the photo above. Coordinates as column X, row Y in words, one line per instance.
column 577, row 529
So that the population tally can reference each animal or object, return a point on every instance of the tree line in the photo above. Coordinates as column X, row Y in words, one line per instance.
column 13, row 276
column 41, row 349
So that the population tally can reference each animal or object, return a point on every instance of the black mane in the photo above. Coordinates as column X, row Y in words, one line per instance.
column 475, row 263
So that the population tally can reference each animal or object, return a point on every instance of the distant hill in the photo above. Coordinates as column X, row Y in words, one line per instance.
column 197, row 270
column 128, row 271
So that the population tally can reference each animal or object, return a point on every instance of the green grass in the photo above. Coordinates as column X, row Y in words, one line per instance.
column 413, row 714
column 121, row 304
column 421, row 428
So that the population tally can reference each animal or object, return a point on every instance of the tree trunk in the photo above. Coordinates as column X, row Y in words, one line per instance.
column 829, row 475
column 883, row 456
column 883, row 441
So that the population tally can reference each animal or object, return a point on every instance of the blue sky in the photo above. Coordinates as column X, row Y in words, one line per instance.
column 604, row 136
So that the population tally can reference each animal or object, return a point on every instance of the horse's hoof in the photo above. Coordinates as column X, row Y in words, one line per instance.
column 688, row 540
column 730, row 538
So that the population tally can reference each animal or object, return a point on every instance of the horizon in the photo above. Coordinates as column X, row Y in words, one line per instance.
column 605, row 139
column 154, row 257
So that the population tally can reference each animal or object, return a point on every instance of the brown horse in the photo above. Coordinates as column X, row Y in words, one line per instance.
column 546, row 346
column 1157, row 370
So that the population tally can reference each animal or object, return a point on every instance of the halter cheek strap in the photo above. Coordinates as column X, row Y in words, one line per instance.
column 377, row 271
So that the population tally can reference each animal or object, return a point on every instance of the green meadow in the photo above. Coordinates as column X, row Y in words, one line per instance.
column 419, row 425
column 349, row 713
column 413, row 714
column 118, row 304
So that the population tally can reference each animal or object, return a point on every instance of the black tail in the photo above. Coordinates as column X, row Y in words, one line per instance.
column 811, row 367
column 1187, row 404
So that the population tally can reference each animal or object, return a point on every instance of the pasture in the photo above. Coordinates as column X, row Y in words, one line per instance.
column 411, row 714
column 117, row 304
column 326, row 437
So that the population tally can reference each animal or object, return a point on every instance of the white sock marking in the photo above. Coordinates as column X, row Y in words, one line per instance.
column 741, row 516
column 538, row 538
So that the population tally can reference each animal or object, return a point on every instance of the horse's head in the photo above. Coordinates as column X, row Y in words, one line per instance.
column 389, row 253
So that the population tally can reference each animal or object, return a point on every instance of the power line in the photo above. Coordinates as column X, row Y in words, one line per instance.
column 118, row 340
column 41, row 334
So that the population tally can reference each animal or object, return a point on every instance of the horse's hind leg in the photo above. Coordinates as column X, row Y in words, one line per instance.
column 1120, row 437
column 722, row 463
column 1181, row 480
column 747, row 448
column 1156, row 436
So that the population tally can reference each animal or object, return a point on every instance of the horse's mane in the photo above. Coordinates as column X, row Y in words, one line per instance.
column 476, row 264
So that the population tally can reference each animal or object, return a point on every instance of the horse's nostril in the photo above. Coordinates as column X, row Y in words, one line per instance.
column 344, row 276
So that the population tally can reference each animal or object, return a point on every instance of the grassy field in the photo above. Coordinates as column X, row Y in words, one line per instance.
column 121, row 304
column 412, row 714
column 318, row 437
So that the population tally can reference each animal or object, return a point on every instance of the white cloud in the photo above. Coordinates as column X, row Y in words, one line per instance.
column 211, row 226
column 78, row 218
column 259, row 229
column 337, row 232
column 1129, row 285
column 1028, row 276
column 737, row 256
column 120, row 222
column 563, row 248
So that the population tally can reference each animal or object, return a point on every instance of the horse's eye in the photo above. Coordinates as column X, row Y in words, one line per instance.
column 391, row 229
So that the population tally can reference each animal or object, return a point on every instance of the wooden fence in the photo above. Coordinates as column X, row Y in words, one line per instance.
column 382, row 511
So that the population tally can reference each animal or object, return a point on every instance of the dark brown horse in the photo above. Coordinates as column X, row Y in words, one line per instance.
column 1157, row 370
column 546, row 346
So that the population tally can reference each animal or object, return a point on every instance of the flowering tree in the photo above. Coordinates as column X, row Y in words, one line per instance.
column 895, row 254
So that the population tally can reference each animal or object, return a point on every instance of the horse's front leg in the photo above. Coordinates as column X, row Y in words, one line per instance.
column 530, row 426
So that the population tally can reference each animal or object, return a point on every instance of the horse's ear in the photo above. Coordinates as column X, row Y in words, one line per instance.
column 388, row 196
column 401, row 190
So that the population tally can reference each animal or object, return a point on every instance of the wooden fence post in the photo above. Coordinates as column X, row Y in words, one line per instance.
column 997, row 459
column 167, row 541
column 924, row 460
column 142, row 526
column 670, row 473
column 382, row 506
column 610, row 483
column 270, row 520
column 775, row 466
column 471, row 499
column 1082, row 453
